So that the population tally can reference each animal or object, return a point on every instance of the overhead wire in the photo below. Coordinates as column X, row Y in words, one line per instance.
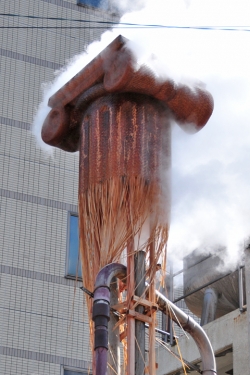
column 116, row 24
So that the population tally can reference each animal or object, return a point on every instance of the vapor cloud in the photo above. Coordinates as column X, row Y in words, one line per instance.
column 211, row 170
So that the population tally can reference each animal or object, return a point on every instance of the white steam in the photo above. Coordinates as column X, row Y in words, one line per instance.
column 61, row 77
column 211, row 170
column 125, row 6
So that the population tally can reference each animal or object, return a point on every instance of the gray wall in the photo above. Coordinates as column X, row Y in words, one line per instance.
column 43, row 321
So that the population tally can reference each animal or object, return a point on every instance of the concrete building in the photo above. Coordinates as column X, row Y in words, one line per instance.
column 226, row 317
column 43, row 323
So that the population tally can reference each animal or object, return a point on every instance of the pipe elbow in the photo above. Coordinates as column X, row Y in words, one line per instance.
column 106, row 274
column 101, row 305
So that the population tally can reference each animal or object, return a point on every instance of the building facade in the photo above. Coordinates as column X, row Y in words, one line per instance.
column 43, row 321
column 222, row 299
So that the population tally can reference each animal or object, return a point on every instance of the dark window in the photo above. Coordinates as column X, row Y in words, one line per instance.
column 73, row 372
column 103, row 4
column 73, row 268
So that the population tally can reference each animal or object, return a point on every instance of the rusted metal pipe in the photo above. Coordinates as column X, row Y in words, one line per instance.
column 101, row 310
column 194, row 329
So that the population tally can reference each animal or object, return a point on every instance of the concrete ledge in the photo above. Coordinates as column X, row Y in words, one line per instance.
column 228, row 331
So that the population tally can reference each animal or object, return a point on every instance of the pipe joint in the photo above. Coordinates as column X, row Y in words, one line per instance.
column 190, row 325
column 100, row 314
column 101, row 337
column 102, row 293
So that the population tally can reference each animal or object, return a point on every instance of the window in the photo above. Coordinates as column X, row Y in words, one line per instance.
column 73, row 266
column 73, row 372
column 65, row 370
column 103, row 4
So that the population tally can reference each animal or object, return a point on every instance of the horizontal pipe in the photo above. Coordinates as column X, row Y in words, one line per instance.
column 194, row 329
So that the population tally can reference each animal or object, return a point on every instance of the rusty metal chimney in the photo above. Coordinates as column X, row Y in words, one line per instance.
column 118, row 116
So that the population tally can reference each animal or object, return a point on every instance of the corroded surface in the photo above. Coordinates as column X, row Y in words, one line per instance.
column 114, row 70
column 124, row 150
column 124, row 134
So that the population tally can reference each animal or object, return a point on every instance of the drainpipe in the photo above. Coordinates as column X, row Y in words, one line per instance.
column 242, row 307
column 209, row 307
column 194, row 329
column 101, row 309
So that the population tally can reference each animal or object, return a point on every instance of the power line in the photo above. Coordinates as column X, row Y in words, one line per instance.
column 113, row 24
column 53, row 18
column 54, row 27
column 127, row 27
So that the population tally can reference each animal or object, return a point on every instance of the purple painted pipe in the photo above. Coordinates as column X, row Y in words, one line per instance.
column 101, row 361
column 100, row 315
column 101, row 308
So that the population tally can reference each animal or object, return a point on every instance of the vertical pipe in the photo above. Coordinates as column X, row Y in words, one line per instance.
column 241, row 290
column 151, row 291
column 171, row 297
column 164, row 327
column 140, row 279
column 113, row 335
column 100, row 314
column 101, row 361
column 209, row 306
column 167, row 291
column 247, row 286
column 130, row 319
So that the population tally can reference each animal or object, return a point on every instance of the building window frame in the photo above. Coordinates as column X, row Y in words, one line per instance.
column 69, row 274
column 76, row 370
column 96, row 4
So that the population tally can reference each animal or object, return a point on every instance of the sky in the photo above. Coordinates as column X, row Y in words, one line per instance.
column 211, row 169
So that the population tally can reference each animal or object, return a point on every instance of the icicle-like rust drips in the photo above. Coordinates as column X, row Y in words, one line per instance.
column 125, row 144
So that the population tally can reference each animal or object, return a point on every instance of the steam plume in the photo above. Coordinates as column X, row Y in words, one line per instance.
column 211, row 170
